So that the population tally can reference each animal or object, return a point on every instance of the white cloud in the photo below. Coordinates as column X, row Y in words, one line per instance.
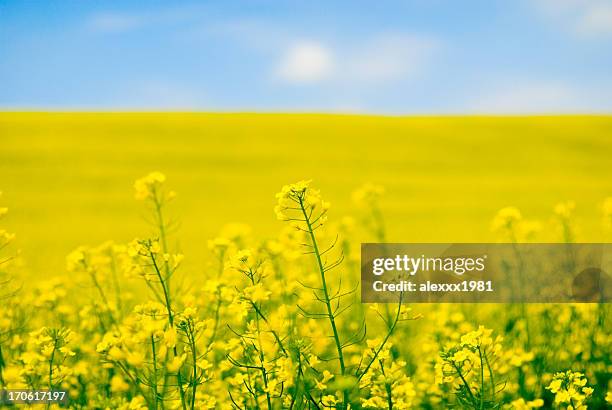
column 114, row 22
column 596, row 20
column 389, row 58
column 583, row 17
column 120, row 21
column 306, row 62
column 381, row 59
column 528, row 98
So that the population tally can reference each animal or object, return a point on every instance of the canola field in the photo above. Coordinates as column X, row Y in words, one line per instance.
column 171, row 260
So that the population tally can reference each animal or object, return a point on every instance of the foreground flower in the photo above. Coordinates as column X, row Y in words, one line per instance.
column 368, row 194
column 293, row 197
column 570, row 388
column 146, row 187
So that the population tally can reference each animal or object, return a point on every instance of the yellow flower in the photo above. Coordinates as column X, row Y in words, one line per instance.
column 321, row 384
column 294, row 196
column 477, row 338
column 204, row 364
column 257, row 293
column 564, row 209
column 176, row 363
column 147, row 186
column 506, row 218
column 368, row 194
column 116, row 354
column 555, row 385
column 219, row 245
column 76, row 259
column 138, row 403
column 329, row 401
column 460, row 356
column 170, row 337
column 521, row 404
column 569, row 387
column 135, row 358
column 118, row 385
column 6, row 237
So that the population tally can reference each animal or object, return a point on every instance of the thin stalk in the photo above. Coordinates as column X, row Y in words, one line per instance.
column 195, row 367
column 387, row 387
column 218, row 306
column 384, row 342
column 324, row 286
column 465, row 383
column 263, row 367
column 98, row 287
column 171, row 322
column 330, row 313
column 276, row 337
column 1, row 367
column 51, row 367
column 154, row 370
column 162, row 229
column 116, row 285
column 481, row 379
column 133, row 379
column 251, row 276
column 490, row 377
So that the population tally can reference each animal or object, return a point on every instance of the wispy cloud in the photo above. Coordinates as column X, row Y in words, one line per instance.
column 596, row 20
column 115, row 22
column 524, row 98
column 390, row 57
column 518, row 96
column 591, row 18
column 124, row 21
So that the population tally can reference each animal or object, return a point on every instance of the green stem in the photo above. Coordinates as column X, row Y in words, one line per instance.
column 384, row 342
column 162, row 232
column 116, row 285
column 387, row 387
column 490, row 377
column 195, row 368
column 171, row 322
column 154, row 370
column 135, row 380
column 465, row 383
column 330, row 313
column 2, row 364
column 263, row 366
column 51, row 367
column 481, row 379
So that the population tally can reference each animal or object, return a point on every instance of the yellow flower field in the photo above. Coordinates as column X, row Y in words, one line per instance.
column 196, row 261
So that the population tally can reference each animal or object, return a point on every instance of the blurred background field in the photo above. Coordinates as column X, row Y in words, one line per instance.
column 66, row 177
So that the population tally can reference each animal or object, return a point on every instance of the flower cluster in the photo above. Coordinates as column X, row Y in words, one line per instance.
column 149, row 186
column 570, row 389
column 296, row 202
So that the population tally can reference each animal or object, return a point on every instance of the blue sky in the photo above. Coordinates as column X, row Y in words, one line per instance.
column 392, row 57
